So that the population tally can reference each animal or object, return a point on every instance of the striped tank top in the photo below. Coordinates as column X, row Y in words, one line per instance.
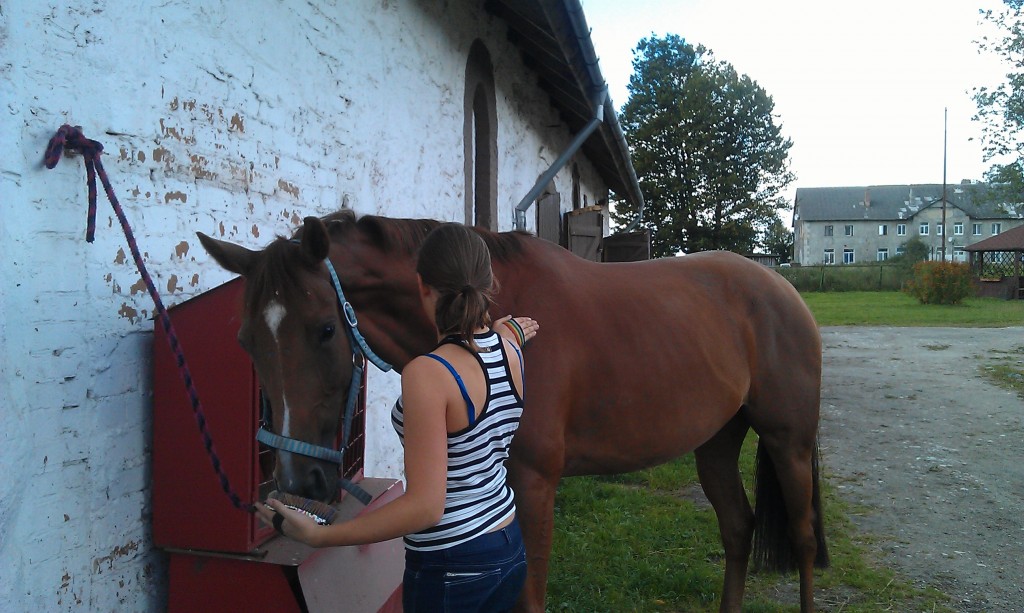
column 477, row 497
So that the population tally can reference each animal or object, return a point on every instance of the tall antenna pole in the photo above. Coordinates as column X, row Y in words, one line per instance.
column 945, row 232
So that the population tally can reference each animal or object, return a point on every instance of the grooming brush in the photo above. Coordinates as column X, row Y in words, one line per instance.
column 321, row 512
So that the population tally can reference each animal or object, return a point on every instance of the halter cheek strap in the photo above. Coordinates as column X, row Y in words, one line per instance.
column 361, row 352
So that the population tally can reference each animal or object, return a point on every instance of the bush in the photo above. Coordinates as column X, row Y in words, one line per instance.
column 940, row 282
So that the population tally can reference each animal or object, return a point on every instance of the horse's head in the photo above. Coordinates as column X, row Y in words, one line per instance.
column 293, row 331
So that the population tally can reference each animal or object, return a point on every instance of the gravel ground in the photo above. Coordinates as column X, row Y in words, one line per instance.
column 933, row 453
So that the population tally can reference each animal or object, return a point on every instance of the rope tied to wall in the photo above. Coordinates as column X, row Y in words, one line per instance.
column 71, row 140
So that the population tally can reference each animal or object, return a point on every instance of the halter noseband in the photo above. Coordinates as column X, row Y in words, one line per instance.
column 361, row 352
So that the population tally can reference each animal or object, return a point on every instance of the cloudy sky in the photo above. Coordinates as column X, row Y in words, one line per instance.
column 859, row 87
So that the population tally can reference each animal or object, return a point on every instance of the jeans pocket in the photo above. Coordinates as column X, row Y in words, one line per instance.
column 466, row 590
column 506, row 593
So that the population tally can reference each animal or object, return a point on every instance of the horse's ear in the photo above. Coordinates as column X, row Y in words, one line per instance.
column 232, row 257
column 316, row 243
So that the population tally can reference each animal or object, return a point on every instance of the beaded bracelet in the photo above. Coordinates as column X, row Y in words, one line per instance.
column 517, row 330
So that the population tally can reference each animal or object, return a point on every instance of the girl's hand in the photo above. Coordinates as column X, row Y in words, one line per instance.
column 517, row 329
column 289, row 522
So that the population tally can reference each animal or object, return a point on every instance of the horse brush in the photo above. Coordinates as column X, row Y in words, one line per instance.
column 321, row 512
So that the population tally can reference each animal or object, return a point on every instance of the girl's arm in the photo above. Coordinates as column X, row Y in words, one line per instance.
column 426, row 473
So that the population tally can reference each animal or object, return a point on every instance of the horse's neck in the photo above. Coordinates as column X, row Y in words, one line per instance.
column 385, row 297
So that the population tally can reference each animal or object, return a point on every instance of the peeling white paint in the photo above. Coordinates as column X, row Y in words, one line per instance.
column 209, row 124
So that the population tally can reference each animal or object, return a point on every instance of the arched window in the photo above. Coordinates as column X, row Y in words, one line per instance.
column 480, row 138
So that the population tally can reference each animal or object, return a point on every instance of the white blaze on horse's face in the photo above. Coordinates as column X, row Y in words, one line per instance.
column 273, row 315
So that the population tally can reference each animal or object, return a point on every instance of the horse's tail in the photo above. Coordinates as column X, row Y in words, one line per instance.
column 773, row 550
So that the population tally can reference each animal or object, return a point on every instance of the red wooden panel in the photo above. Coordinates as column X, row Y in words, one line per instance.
column 190, row 510
column 208, row 583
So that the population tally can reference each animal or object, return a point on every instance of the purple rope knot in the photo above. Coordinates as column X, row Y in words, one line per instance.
column 70, row 139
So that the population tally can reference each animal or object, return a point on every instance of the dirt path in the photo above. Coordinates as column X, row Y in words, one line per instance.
column 933, row 453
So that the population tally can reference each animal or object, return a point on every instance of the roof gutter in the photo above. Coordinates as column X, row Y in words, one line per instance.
column 581, row 32
column 575, row 40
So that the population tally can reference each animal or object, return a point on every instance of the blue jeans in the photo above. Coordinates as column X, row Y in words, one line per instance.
column 483, row 575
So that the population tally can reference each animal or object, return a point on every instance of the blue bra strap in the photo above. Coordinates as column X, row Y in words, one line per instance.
column 522, row 366
column 470, row 409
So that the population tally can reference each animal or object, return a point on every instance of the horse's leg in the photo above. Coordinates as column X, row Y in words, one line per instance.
column 789, row 436
column 535, row 508
column 718, row 469
column 793, row 466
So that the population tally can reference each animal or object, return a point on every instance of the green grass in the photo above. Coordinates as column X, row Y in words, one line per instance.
column 648, row 542
column 899, row 309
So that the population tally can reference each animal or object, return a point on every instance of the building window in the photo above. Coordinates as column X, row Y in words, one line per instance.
column 847, row 256
column 939, row 230
column 958, row 228
column 883, row 255
column 901, row 229
column 883, row 229
column 480, row 140
column 923, row 230
column 848, row 230
column 976, row 229
column 901, row 250
column 997, row 228
column 830, row 256
column 828, row 230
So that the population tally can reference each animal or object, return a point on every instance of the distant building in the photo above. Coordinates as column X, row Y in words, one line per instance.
column 849, row 225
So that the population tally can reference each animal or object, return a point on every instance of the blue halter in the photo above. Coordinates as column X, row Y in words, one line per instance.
column 361, row 352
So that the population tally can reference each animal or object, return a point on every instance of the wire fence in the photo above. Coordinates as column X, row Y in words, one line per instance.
column 848, row 277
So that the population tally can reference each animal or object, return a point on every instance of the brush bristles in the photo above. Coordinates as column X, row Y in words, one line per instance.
column 321, row 511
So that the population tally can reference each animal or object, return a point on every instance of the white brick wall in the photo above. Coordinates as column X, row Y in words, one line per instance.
column 230, row 118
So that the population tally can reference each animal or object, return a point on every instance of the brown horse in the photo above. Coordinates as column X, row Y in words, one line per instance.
column 637, row 363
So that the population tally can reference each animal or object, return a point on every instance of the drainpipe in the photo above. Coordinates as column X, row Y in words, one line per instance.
column 527, row 201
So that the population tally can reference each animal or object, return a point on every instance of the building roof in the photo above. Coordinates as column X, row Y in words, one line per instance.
column 895, row 202
column 555, row 42
column 1010, row 240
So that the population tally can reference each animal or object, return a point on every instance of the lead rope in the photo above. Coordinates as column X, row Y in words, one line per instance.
column 71, row 140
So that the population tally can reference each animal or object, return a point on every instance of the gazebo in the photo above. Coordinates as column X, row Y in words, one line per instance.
column 997, row 264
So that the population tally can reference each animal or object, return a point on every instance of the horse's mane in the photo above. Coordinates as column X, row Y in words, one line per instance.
column 406, row 235
column 273, row 273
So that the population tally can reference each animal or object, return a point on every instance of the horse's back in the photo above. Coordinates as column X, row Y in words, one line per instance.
column 671, row 346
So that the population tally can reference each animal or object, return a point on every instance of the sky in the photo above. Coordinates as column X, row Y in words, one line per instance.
column 859, row 87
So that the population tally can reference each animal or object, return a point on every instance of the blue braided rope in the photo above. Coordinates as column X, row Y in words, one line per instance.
column 72, row 139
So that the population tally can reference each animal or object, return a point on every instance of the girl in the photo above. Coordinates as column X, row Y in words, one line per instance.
column 459, row 409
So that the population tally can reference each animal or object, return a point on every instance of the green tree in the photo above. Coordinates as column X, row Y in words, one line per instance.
column 1001, row 108
column 778, row 240
column 710, row 157
column 914, row 250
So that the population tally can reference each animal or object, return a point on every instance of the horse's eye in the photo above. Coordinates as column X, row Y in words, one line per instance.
column 327, row 332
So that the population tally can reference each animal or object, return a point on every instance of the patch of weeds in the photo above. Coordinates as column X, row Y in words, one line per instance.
column 936, row 347
column 1006, row 371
